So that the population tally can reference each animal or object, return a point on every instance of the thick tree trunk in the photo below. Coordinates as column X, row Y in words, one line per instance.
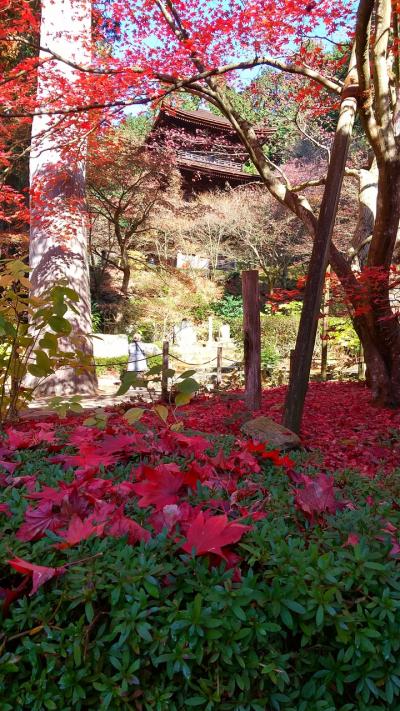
column 375, row 321
column 59, row 235
column 384, row 322
column 367, row 199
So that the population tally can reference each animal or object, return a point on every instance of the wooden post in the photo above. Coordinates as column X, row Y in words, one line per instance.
column 325, row 326
column 252, row 338
column 301, row 365
column 164, row 372
column 219, row 366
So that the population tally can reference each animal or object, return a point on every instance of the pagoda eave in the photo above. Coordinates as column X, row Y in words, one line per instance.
column 219, row 171
column 204, row 119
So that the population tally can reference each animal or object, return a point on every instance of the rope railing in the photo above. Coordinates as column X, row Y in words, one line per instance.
column 165, row 370
column 174, row 357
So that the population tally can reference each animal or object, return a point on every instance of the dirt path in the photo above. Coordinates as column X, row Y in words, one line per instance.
column 105, row 397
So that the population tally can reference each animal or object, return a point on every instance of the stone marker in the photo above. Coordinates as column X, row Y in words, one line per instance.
column 264, row 429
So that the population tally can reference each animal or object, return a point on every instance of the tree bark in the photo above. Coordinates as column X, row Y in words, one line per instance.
column 367, row 199
column 383, row 321
column 252, row 338
column 126, row 271
column 59, row 230
column 301, row 363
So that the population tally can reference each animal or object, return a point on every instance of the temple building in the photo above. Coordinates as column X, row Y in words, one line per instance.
column 208, row 151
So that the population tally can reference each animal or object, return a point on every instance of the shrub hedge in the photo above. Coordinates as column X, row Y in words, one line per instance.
column 312, row 624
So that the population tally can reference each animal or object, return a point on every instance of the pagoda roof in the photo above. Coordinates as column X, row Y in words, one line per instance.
column 217, row 170
column 203, row 119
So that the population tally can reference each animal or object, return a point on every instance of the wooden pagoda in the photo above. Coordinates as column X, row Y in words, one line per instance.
column 208, row 151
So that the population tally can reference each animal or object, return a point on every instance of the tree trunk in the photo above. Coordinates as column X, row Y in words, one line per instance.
column 252, row 338
column 374, row 320
column 59, row 231
column 301, row 362
column 367, row 199
column 126, row 270
column 384, row 323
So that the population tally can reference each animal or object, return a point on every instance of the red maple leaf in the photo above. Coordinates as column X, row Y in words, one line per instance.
column 198, row 472
column 125, row 443
column 10, row 467
column 18, row 439
column 90, row 456
column 195, row 444
column 317, row 497
column 40, row 573
column 102, row 511
column 219, row 460
column 123, row 490
column 73, row 504
column 273, row 454
column 210, row 534
column 159, row 488
column 107, row 451
column 45, row 517
column 96, row 489
column 55, row 496
column 123, row 525
column 78, row 531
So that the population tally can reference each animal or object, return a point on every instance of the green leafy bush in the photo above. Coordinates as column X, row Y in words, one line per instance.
column 97, row 318
column 343, row 336
column 269, row 358
column 115, row 363
column 311, row 624
column 230, row 307
column 279, row 332
column 32, row 331
column 291, row 308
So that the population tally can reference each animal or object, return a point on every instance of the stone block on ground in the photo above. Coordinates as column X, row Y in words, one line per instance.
column 263, row 429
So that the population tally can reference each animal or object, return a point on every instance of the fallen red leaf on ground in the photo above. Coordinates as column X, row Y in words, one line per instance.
column 40, row 574
column 210, row 534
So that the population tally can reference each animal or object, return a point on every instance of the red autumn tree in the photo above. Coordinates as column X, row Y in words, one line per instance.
column 127, row 184
column 198, row 45
column 163, row 47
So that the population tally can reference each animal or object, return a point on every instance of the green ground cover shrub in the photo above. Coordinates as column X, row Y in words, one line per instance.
column 112, row 364
column 310, row 624
column 229, row 307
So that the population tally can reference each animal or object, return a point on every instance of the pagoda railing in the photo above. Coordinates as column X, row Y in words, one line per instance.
column 214, row 158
